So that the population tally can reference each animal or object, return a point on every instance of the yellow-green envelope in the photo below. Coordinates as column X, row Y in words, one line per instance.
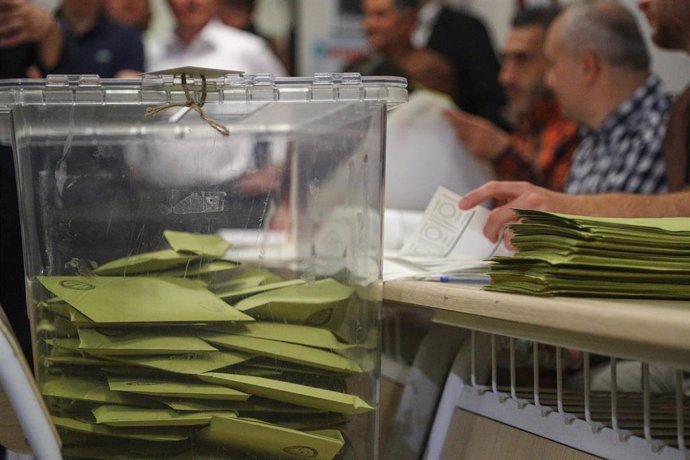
column 57, row 326
column 253, row 404
column 321, row 421
column 77, row 360
column 293, row 393
column 124, row 416
column 151, row 387
column 201, row 405
column 260, row 437
column 90, row 390
column 228, row 294
column 290, row 352
column 196, row 243
column 291, row 333
column 575, row 255
column 131, row 300
column 156, row 435
column 201, row 269
column 249, row 277
column 184, row 364
column 136, row 264
column 296, row 304
column 57, row 306
column 140, row 343
column 186, row 247
column 65, row 344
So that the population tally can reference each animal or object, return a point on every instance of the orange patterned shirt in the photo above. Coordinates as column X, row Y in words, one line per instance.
column 541, row 150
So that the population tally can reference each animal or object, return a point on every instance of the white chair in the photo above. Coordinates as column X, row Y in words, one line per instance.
column 25, row 426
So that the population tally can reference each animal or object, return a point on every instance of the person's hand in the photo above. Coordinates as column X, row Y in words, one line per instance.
column 481, row 137
column 22, row 22
column 509, row 196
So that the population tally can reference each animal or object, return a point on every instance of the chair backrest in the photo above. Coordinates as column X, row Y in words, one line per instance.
column 25, row 425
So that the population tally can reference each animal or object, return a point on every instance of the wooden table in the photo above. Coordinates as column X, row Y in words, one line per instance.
column 653, row 330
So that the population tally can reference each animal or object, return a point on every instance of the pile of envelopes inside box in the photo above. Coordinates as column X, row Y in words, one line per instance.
column 587, row 256
column 149, row 360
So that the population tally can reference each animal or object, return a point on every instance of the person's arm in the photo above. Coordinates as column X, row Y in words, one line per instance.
column 22, row 22
column 481, row 137
column 523, row 195
column 487, row 141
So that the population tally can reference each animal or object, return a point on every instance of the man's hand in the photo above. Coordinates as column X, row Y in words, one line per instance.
column 22, row 22
column 514, row 195
column 481, row 137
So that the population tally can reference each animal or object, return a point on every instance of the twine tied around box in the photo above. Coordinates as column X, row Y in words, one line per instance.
column 193, row 104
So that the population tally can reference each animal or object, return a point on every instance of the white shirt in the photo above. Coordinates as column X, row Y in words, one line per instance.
column 217, row 46
column 426, row 20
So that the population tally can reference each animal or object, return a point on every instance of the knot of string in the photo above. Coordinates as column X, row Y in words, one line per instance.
column 194, row 104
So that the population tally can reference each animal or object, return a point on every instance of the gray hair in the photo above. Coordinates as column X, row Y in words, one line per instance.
column 607, row 29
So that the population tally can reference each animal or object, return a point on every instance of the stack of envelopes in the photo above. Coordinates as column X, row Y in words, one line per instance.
column 154, row 349
column 587, row 256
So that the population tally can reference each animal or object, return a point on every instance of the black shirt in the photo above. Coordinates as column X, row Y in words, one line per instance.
column 105, row 50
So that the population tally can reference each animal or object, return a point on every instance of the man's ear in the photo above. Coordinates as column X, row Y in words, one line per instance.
column 590, row 67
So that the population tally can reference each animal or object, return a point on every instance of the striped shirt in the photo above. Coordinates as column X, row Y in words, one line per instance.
column 624, row 154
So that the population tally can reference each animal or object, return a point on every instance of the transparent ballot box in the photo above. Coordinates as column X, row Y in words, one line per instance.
column 202, row 259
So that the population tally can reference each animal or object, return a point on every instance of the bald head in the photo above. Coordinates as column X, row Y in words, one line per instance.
column 606, row 29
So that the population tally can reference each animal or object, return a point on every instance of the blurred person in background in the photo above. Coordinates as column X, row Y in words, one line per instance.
column 30, row 45
column 136, row 13
column 667, row 19
column 464, row 40
column 31, row 41
column 388, row 25
column 96, row 44
column 542, row 143
column 600, row 73
column 200, row 39
column 240, row 15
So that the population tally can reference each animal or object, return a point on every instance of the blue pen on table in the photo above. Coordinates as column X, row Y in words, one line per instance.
column 468, row 278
